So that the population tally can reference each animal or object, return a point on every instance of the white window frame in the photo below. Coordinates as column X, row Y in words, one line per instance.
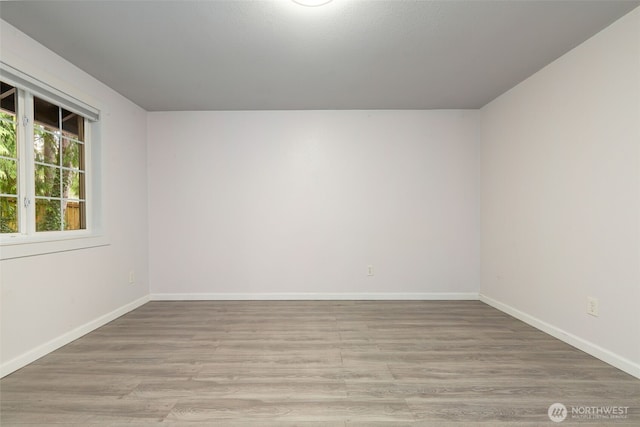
column 28, row 242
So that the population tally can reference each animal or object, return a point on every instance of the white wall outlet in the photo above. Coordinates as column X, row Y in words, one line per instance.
column 592, row 306
column 132, row 277
column 369, row 270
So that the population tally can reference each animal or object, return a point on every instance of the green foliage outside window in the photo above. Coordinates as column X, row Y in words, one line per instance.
column 54, row 179
column 8, row 174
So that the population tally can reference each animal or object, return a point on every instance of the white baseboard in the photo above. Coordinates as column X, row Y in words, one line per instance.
column 595, row 350
column 46, row 348
column 315, row 296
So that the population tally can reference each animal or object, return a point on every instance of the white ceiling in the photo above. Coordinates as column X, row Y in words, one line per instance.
column 277, row 55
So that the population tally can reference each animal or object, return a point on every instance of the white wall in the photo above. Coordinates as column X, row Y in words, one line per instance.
column 561, row 195
column 302, row 201
column 47, row 300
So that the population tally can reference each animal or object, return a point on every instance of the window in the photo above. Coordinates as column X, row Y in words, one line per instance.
column 49, row 169
column 43, row 185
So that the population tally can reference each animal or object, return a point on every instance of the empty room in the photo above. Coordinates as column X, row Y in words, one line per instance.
column 320, row 213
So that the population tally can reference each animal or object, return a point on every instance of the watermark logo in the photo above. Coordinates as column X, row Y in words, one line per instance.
column 557, row 412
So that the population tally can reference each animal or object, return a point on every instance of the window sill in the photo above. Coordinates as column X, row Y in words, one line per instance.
column 20, row 247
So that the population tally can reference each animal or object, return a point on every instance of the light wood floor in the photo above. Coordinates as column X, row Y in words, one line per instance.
column 313, row 363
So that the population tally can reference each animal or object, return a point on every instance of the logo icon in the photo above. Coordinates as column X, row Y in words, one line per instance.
column 557, row 412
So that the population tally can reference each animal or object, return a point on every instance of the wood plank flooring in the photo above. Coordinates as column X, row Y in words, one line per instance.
column 314, row 363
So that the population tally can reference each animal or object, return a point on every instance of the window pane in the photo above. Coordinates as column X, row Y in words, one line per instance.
column 8, row 176
column 72, row 154
column 47, row 180
column 8, row 98
column 72, row 125
column 74, row 215
column 73, row 184
column 48, row 215
column 46, row 146
column 46, row 113
column 9, row 163
column 8, row 214
column 59, row 169
column 8, row 141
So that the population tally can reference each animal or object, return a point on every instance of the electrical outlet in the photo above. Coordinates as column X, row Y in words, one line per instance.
column 369, row 270
column 592, row 306
column 132, row 277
